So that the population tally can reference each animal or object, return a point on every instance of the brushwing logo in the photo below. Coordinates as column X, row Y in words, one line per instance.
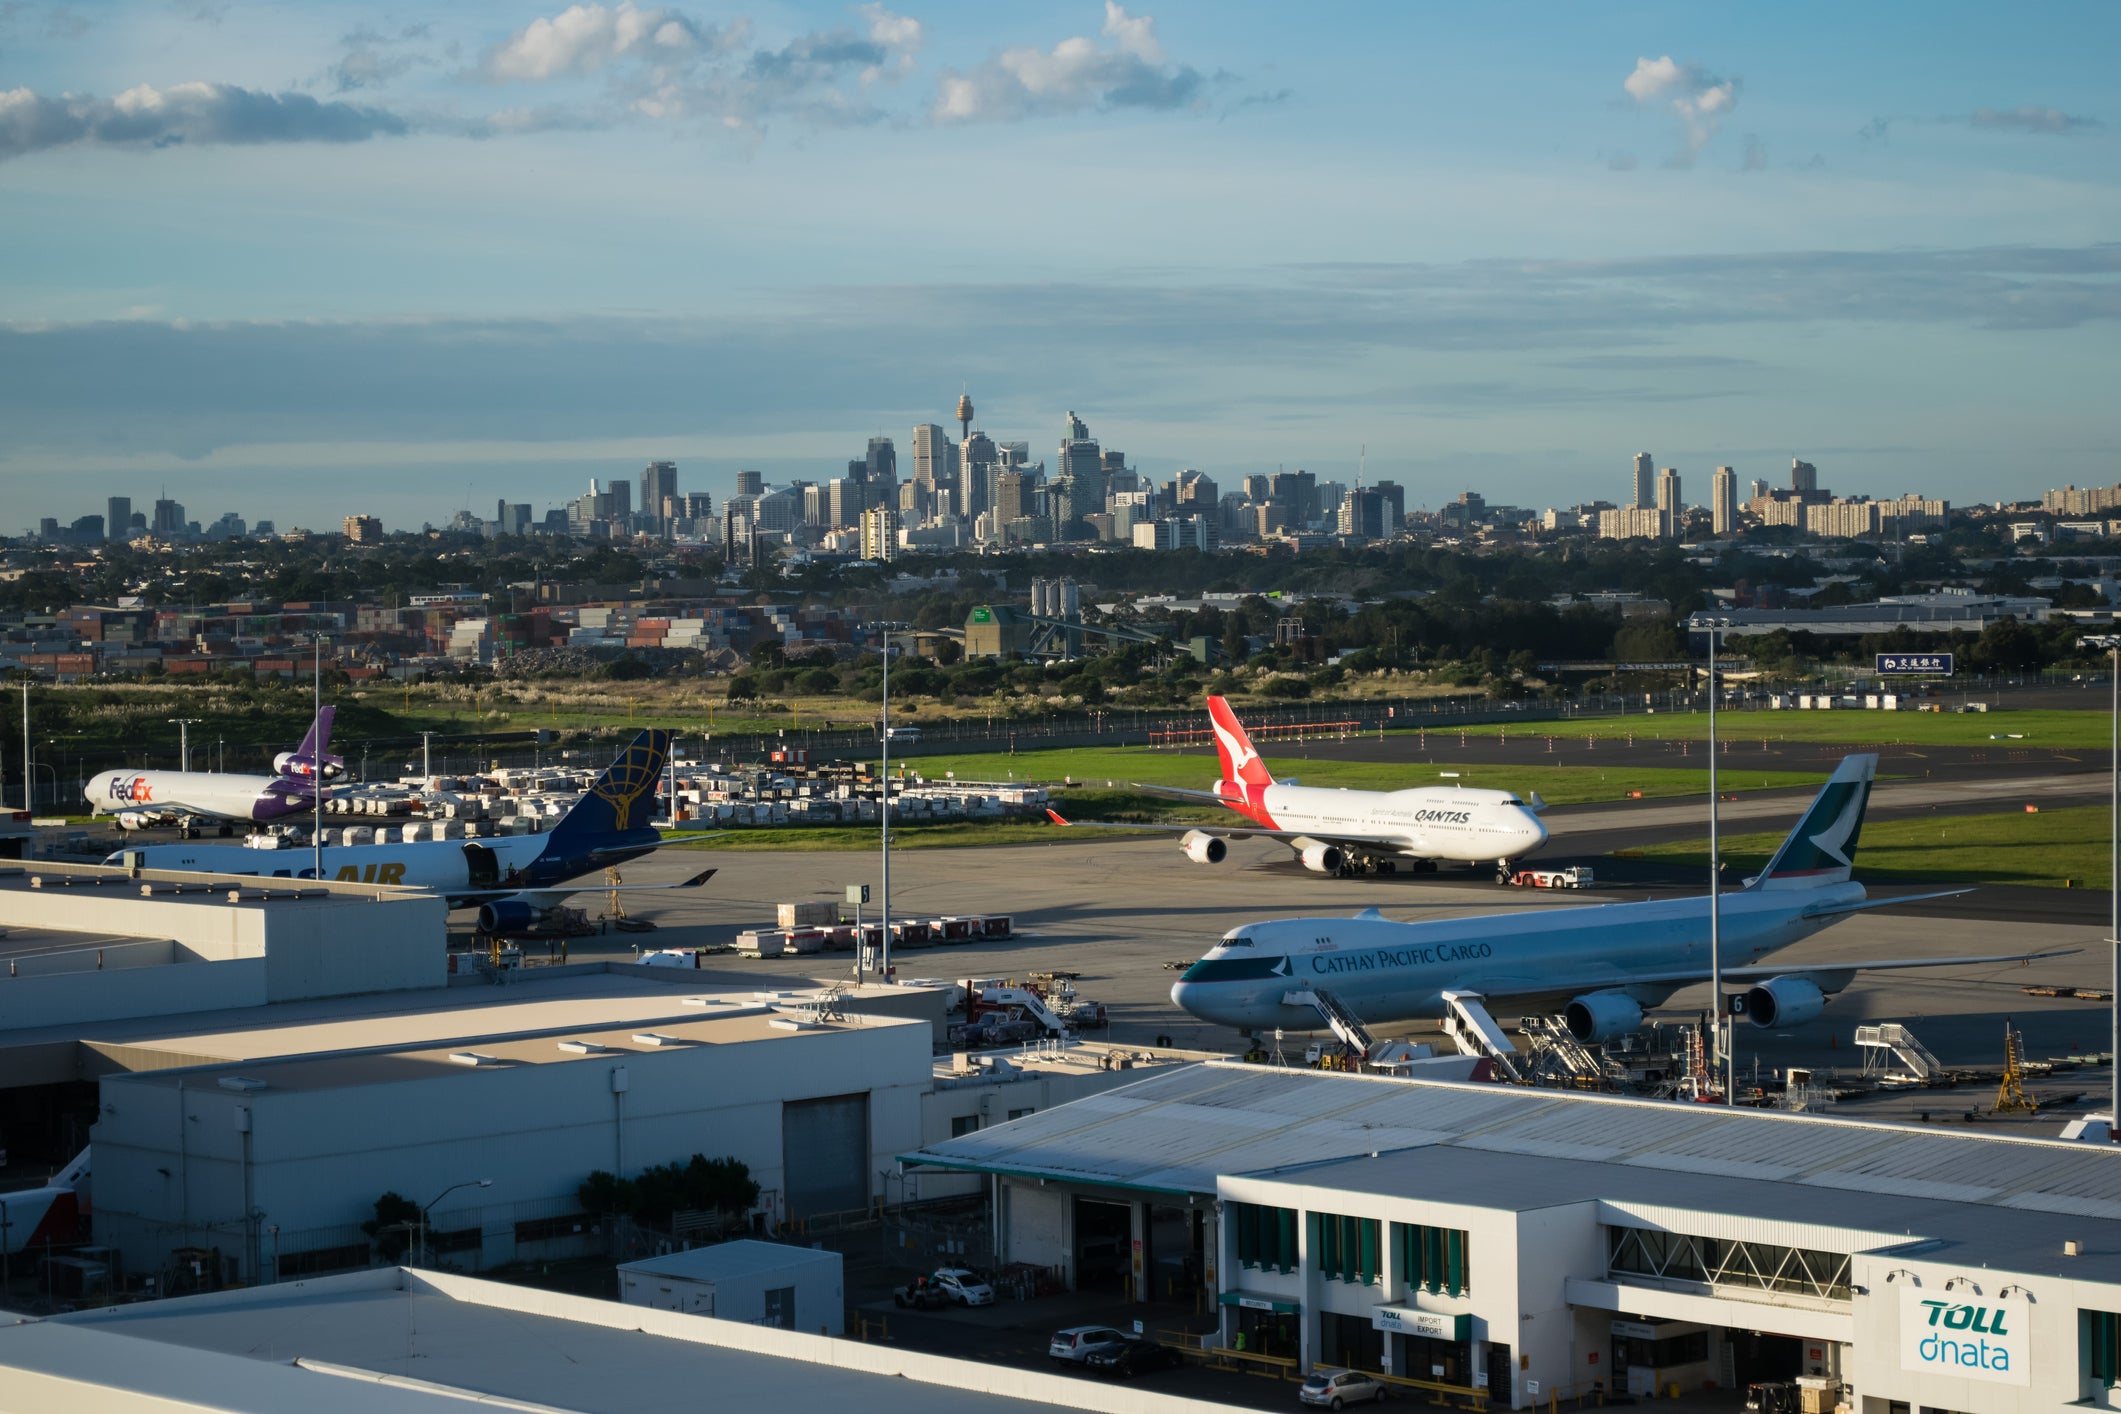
column 1970, row 1337
column 632, row 777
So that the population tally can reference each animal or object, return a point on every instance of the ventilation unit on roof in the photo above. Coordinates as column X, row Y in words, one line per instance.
column 654, row 1038
column 472, row 1058
column 585, row 1048
column 241, row 1082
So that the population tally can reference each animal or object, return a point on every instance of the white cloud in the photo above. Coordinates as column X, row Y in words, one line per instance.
column 1699, row 99
column 665, row 66
column 1128, row 71
column 584, row 39
column 149, row 117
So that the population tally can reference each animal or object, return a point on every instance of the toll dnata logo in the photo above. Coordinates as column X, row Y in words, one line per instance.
column 1945, row 1333
column 632, row 777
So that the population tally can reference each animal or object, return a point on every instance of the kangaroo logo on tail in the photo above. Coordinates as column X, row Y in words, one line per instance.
column 1245, row 777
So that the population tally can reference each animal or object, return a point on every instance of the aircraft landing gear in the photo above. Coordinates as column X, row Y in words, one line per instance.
column 1503, row 872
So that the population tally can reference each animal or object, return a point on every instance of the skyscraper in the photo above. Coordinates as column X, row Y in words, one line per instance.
column 883, row 461
column 1082, row 474
column 1645, row 481
column 750, row 483
column 169, row 518
column 1723, row 501
column 1668, row 503
column 981, row 460
column 934, row 458
column 1803, row 476
column 658, row 484
column 118, row 523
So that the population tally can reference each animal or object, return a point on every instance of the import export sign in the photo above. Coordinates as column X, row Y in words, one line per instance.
column 1970, row 1338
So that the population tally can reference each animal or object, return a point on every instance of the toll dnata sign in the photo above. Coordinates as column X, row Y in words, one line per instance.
column 1968, row 1337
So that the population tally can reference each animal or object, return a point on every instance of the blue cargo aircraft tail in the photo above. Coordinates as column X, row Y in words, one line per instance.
column 613, row 817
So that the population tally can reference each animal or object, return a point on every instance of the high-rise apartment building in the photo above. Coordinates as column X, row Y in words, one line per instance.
column 364, row 530
column 659, row 483
column 1669, row 506
column 118, row 523
column 1645, row 481
column 750, row 483
column 1803, row 476
column 1723, row 501
column 1756, row 489
column 880, row 533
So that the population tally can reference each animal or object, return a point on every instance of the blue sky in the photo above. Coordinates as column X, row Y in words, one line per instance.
column 307, row 259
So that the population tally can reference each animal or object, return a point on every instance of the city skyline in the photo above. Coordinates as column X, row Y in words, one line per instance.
column 260, row 251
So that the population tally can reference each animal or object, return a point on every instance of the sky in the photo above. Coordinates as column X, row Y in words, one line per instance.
column 306, row 260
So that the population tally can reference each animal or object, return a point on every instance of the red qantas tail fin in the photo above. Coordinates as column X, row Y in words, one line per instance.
column 1242, row 767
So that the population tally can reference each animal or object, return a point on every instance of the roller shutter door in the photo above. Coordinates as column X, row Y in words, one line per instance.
column 825, row 1154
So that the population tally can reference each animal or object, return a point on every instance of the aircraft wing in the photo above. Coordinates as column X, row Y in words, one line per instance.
column 1831, row 976
column 1177, row 792
column 1235, row 832
column 560, row 890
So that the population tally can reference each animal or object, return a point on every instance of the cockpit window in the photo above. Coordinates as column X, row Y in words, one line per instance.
column 1235, row 943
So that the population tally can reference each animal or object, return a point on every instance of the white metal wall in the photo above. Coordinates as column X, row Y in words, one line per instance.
column 319, row 1158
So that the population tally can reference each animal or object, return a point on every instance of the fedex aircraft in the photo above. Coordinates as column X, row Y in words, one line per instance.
column 1601, row 967
column 138, row 797
column 1347, row 831
column 509, row 879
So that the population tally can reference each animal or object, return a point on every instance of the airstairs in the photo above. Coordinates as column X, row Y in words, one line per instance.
column 1342, row 1022
column 1467, row 1023
column 1893, row 1040
column 1556, row 1051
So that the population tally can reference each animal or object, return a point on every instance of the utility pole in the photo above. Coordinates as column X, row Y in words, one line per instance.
column 426, row 764
column 184, row 726
column 28, row 776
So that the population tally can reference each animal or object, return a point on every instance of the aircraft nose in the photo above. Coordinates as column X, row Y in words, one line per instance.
column 1535, row 833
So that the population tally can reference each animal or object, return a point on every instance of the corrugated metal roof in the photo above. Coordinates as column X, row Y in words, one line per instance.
column 1180, row 1130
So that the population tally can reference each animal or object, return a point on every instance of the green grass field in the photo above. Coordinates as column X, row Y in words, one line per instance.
column 2064, row 730
column 2041, row 850
column 1558, row 785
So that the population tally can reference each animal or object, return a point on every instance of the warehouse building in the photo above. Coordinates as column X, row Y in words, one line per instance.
column 89, row 949
column 1531, row 1244
column 269, row 1168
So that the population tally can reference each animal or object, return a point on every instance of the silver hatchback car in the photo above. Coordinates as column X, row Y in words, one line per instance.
column 1331, row 1389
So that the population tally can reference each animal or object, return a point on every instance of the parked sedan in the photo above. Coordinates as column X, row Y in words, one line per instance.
column 1334, row 1388
column 1129, row 1358
column 1073, row 1345
column 962, row 1286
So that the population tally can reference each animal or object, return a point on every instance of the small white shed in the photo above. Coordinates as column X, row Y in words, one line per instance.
column 762, row 1283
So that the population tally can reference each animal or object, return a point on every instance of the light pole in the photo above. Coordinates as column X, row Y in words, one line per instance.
column 184, row 726
column 467, row 1183
column 316, row 765
column 884, row 815
column 2112, row 644
column 1720, row 1053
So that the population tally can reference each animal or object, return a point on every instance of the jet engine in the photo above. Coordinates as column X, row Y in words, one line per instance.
column 1203, row 848
column 293, row 763
column 1783, row 1001
column 1600, row 1016
column 507, row 916
column 1323, row 858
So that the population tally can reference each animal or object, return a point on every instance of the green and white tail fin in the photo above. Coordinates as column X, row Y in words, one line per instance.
column 1822, row 849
